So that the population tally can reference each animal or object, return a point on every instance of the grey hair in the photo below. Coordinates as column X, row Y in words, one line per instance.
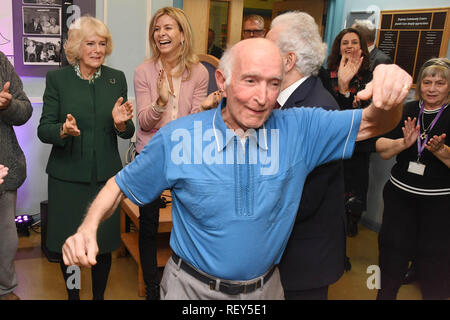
column 255, row 18
column 226, row 64
column 433, row 67
column 301, row 35
column 367, row 29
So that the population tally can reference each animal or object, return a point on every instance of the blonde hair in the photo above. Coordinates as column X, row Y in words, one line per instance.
column 433, row 67
column 79, row 30
column 187, row 56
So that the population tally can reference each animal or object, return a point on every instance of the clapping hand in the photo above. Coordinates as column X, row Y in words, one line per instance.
column 348, row 68
column 70, row 126
column 436, row 143
column 121, row 113
column 3, row 172
column 163, row 89
column 410, row 132
column 212, row 100
column 5, row 96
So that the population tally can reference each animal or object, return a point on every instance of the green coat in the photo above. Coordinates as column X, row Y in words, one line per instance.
column 72, row 158
column 79, row 166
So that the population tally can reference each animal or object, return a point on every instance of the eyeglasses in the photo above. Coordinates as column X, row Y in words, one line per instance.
column 248, row 32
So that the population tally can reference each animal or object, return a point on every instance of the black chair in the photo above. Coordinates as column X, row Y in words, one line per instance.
column 211, row 63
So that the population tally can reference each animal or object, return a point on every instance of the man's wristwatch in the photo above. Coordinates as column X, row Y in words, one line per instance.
column 347, row 94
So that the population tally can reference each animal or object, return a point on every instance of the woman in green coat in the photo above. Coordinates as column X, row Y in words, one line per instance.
column 85, row 109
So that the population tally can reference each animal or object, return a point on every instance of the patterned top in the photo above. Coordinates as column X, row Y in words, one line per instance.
column 96, row 75
column 358, row 83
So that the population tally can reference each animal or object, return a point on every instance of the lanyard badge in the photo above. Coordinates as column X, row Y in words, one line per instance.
column 417, row 167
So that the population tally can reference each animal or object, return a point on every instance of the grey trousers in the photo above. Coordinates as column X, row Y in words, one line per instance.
column 8, row 242
column 176, row 284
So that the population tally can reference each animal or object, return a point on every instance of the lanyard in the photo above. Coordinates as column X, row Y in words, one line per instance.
column 424, row 136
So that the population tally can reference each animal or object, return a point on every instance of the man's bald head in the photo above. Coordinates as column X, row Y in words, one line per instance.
column 249, row 48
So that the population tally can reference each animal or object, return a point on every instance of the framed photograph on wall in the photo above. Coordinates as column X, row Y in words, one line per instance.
column 38, row 49
column 41, row 20
column 44, row 2
column 41, row 51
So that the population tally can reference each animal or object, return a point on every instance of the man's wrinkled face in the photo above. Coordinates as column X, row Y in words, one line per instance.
column 255, row 84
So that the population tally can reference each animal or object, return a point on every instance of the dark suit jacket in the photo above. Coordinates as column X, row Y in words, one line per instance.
column 378, row 57
column 315, row 253
column 72, row 158
column 30, row 28
column 216, row 51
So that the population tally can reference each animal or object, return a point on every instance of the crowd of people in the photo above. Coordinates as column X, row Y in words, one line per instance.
column 294, row 204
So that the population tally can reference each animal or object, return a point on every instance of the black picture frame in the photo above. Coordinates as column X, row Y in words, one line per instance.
column 48, row 21
column 43, row 2
column 40, row 51
column 67, row 10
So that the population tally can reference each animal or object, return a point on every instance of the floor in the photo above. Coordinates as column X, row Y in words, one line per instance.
column 40, row 279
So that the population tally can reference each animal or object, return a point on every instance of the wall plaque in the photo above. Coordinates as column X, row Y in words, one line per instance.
column 411, row 37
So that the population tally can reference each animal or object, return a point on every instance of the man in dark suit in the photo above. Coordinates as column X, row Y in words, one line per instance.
column 315, row 254
column 34, row 26
column 368, row 31
column 212, row 48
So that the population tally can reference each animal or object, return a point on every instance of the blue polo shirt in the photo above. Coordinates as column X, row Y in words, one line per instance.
column 234, row 203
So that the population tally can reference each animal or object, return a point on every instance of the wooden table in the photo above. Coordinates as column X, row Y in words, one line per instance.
column 130, row 240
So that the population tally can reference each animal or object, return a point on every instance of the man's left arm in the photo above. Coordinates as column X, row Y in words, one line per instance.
column 389, row 87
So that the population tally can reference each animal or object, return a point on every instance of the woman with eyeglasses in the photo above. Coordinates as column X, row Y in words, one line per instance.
column 416, row 217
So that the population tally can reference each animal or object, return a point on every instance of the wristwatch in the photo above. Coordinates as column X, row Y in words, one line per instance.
column 347, row 94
